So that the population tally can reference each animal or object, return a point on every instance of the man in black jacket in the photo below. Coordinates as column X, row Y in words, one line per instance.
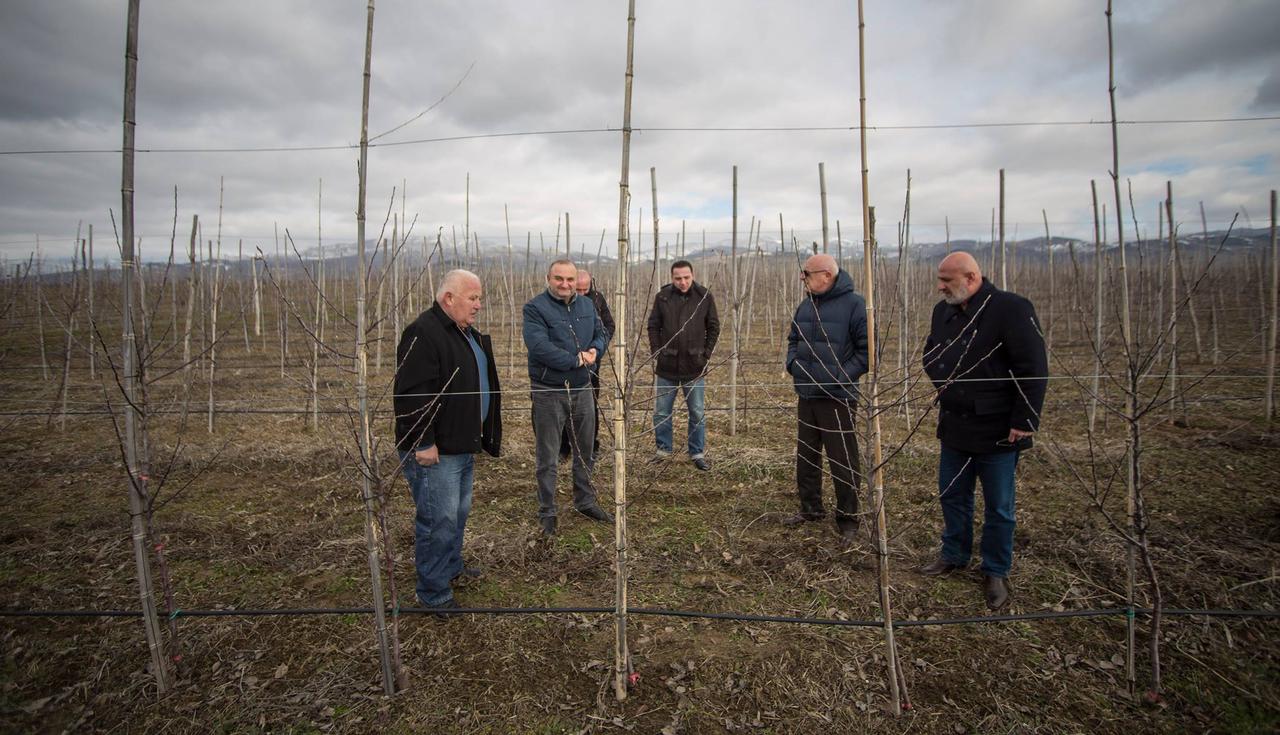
column 826, row 356
column 986, row 357
column 683, row 329
column 448, row 407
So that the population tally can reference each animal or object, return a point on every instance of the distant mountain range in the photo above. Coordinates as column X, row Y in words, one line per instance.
column 1243, row 239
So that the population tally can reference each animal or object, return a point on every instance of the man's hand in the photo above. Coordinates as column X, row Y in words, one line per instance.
column 587, row 357
column 427, row 457
column 1015, row 435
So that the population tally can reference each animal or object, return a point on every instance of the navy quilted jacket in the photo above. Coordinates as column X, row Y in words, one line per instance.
column 827, row 346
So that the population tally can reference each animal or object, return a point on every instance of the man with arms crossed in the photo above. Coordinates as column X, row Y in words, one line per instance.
column 565, row 337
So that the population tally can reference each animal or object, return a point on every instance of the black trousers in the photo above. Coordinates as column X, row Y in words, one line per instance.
column 566, row 442
column 826, row 424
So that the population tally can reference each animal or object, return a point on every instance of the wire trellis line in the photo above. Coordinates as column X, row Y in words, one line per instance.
column 656, row 129
column 654, row 612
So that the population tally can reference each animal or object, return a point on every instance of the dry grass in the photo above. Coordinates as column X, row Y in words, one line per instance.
column 273, row 519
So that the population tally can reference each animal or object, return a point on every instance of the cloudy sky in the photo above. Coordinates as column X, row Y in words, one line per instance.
column 217, row 77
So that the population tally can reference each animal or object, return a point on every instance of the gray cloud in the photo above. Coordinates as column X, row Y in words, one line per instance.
column 241, row 74
column 1178, row 39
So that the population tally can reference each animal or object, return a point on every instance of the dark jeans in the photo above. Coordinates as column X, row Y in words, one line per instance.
column 566, row 441
column 827, row 424
column 957, row 473
column 442, row 499
column 554, row 410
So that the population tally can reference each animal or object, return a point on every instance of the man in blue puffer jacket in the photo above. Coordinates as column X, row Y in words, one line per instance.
column 826, row 355
column 565, row 337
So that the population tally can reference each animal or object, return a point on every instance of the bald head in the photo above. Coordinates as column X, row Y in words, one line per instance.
column 819, row 273
column 583, row 282
column 959, row 277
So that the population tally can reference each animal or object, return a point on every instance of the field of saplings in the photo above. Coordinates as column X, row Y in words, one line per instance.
column 254, row 572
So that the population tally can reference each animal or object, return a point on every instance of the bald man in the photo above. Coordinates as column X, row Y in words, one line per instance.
column 986, row 358
column 826, row 355
column 448, row 407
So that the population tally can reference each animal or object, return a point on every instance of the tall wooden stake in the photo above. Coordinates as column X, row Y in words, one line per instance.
column 877, row 471
column 362, row 382
column 1275, row 310
column 733, row 270
column 822, row 193
column 621, row 654
column 1097, row 308
column 138, row 475
column 1004, row 256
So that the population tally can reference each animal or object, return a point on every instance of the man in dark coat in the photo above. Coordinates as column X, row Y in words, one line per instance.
column 986, row 357
column 448, row 406
column 826, row 355
column 683, row 329
column 586, row 287
column 565, row 337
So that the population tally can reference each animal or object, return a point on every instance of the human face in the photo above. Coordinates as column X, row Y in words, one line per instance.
column 817, row 281
column 463, row 305
column 561, row 280
column 955, row 285
column 682, row 279
column 583, row 283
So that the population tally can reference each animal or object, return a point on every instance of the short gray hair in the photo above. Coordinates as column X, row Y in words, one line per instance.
column 560, row 261
column 452, row 280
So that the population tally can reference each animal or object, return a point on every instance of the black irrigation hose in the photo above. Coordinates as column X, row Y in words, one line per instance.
column 657, row 612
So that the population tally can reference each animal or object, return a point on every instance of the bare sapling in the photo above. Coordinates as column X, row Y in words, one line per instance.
column 897, row 698
column 137, row 472
column 391, row 678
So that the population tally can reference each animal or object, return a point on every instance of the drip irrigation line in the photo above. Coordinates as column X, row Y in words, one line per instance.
column 202, row 409
column 692, row 129
column 654, row 612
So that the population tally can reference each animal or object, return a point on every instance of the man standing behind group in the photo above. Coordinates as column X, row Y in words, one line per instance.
column 683, row 329
column 565, row 337
column 448, row 407
column 987, row 360
column 586, row 288
column 826, row 355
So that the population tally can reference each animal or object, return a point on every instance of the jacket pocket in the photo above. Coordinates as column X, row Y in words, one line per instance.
column 987, row 406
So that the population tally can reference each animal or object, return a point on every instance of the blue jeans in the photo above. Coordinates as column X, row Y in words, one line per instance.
column 442, row 496
column 695, row 397
column 957, row 473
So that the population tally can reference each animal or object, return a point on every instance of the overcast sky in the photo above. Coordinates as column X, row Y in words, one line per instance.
column 288, row 74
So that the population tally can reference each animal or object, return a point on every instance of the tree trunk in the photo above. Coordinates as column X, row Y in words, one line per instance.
column 139, row 506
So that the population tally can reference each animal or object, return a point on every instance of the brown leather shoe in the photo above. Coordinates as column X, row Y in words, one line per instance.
column 996, row 590
column 938, row 567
